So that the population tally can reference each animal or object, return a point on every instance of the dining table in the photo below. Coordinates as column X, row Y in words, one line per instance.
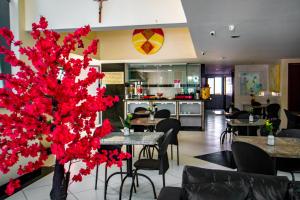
column 134, row 138
column 284, row 147
column 246, row 123
column 145, row 121
column 142, row 113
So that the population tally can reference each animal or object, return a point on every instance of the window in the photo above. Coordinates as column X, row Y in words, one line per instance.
column 215, row 85
column 218, row 85
column 211, row 83
column 228, row 86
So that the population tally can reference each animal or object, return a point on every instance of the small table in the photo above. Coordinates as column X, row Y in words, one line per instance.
column 284, row 147
column 246, row 123
column 143, row 112
column 145, row 121
column 135, row 138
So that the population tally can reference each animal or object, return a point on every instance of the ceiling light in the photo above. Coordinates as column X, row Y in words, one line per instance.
column 231, row 27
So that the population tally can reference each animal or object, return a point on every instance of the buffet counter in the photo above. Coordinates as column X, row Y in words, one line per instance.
column 189, row 112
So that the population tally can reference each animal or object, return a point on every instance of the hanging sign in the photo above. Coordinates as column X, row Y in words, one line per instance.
column 148, row 41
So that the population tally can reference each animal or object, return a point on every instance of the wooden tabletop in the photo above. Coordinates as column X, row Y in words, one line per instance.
column 135, row 138
column 246, row 122
column 142, row 112
column 145, row 121
column 284, row 147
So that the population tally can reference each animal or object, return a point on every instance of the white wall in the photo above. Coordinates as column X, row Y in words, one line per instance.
column 70, row 14
column 117, row 45
column 240, row 100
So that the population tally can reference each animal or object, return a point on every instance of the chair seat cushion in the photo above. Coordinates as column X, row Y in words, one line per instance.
column 170, row 193
column 288, row 164
column 150, row 164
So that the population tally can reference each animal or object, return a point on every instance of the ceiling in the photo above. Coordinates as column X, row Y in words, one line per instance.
column 269, row 30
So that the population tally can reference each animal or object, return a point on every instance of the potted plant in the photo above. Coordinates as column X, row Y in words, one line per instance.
column 269, row 129
column 47, row 99
column 127, row 124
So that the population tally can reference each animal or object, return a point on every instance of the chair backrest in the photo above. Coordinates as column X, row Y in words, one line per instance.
column 162, row 151
column 137, row 109
column 238, row 114
column 167, row 124
column 251, row 159
column 273, row 110
column 292, row 119
column 243, row 115
column 293, row 133
column 164, row 113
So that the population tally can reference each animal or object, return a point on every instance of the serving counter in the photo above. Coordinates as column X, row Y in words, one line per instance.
column 189, row 112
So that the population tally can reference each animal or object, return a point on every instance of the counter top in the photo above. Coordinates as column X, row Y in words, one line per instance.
column 166, row 100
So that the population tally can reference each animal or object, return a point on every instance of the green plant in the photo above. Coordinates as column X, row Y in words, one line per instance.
column 269, row 126
column 128, row 120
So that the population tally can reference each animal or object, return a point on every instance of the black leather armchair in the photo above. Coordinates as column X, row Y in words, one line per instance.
column 208, row 184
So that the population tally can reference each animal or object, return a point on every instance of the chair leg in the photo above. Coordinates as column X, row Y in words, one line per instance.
column 177, row 154
column 164, row 180
column 96, row 181
column 293, row 177
column 133, row 150
column 171, row 152
column 121, row 188
column 132, row 184
column 137, row 180
column 105, row 182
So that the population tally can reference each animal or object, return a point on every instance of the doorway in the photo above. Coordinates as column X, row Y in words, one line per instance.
column 220, row 80
column 293, row 87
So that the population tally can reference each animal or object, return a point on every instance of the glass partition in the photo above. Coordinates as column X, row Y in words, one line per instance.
column 160, row 78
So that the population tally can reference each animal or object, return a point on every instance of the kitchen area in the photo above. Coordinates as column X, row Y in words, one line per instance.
column 175, row 87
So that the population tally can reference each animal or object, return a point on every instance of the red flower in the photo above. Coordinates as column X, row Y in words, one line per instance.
column 43, row 107
column 11, row 186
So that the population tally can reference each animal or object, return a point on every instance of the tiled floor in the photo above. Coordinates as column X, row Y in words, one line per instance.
column 192, row 143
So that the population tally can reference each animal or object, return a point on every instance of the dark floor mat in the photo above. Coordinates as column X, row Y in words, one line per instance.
column 224, row 158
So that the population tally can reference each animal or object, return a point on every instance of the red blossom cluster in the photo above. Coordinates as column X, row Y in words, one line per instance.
column 41, row 107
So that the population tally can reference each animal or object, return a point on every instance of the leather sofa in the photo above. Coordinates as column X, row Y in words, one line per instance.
column 209, row 184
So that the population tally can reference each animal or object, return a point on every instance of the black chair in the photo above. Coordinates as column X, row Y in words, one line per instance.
column 273, row 111
column 251, row 159
column 161, row 164
column 167, row 124
column 293, row 120
column 257, row 109
column 233, row 109
column 291, row 165
column 137, row 109
column 229, row 129
column 164, row 113
column 107, row 148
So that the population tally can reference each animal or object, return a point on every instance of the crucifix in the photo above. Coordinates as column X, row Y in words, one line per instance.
column 100, row 9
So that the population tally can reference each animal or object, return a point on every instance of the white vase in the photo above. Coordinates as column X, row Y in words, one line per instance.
column 271, row 140
column 126, row 131
column 251, row 118
column 151, row 117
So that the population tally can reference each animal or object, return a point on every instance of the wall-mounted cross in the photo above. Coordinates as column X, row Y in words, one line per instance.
column 100, row 9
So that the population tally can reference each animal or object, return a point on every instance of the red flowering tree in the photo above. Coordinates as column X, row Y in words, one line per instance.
column 47, row 99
